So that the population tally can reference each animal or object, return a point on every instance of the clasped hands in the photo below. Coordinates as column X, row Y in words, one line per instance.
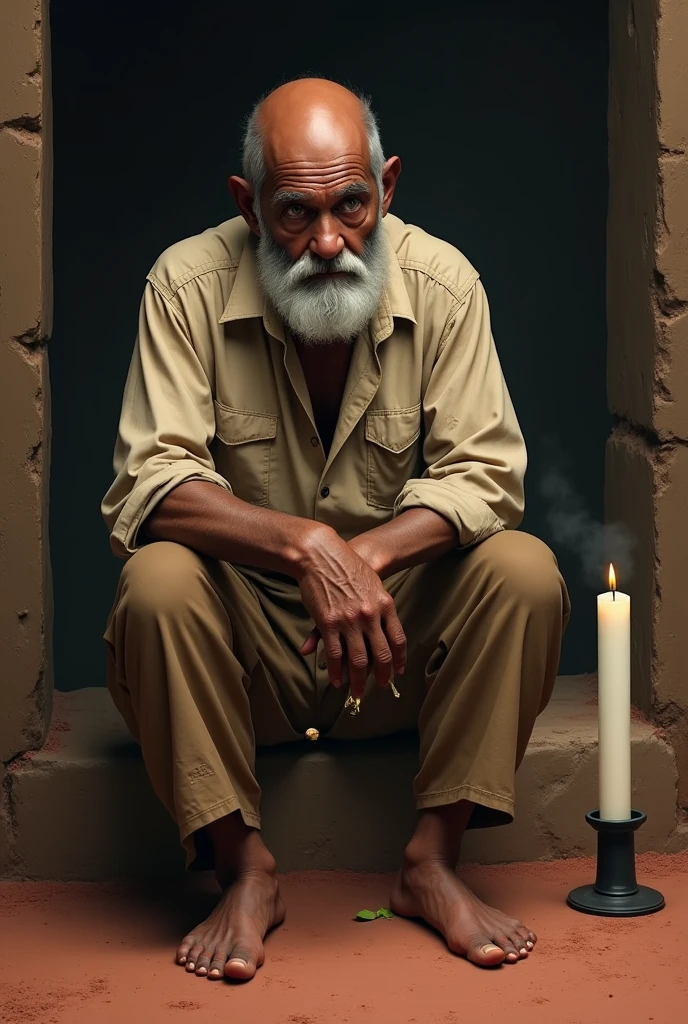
column 354, row 615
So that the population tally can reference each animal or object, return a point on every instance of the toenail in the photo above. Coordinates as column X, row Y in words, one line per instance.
column 236, row 960
column 202, row 970
column 190, row 966
column 182, row 959
column 523, row 950
column 529, row 943
column 490, row 947
column 214, row 971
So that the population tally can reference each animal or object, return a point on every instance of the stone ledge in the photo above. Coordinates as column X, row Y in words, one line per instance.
column 82, row 807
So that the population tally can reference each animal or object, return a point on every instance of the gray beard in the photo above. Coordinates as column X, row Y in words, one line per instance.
column 320, row 311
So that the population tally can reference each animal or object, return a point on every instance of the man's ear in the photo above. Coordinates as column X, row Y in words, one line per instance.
column 243, row 197
column 390, row 175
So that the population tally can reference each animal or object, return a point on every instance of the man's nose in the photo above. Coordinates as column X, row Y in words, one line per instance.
column 326, row 242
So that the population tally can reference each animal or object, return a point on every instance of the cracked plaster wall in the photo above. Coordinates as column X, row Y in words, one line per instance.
column 25, row 323
column 647, row 371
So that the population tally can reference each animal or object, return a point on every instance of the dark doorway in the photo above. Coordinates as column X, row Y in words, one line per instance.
column 498, row 111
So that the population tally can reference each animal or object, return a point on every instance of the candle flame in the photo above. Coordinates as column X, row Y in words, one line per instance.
column 612, row 578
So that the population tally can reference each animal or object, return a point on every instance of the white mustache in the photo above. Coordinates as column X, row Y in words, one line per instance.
column 309, row 265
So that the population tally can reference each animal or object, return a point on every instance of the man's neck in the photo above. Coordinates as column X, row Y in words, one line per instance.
column 320, row 344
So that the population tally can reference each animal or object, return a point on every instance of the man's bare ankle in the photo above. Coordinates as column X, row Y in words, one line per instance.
column 419, row 858
column 246, row 856
column 239, row 850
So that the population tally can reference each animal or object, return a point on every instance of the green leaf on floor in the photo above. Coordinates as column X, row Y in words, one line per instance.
column 370, row 915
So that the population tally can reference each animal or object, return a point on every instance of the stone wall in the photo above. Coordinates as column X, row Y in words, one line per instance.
column 25, row 313
column 647, row 372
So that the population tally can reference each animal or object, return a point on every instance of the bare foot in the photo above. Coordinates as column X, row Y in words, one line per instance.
column 230, row 941
column 432, row 891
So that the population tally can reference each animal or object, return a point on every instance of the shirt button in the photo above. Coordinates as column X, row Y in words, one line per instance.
column 315, row 442
column 324, row 492
column 322, row 665
column 312, row 734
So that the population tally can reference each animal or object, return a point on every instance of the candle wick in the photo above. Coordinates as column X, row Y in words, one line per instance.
column 613, row 595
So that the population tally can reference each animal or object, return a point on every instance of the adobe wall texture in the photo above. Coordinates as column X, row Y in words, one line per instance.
column 25, row 311
column 647, row 454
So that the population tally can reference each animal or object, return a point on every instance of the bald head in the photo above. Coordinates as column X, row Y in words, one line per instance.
column 314, row 122
column 311, row 123
column 315, row 189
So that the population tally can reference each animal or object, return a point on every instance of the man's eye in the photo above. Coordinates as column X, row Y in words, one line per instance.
column 351, row 204
column 294, row 210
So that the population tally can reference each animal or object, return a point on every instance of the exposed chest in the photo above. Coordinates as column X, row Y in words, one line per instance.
column 325, row 368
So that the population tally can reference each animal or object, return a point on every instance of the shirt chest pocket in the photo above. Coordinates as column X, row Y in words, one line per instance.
column 392, row 452
column 244, row 451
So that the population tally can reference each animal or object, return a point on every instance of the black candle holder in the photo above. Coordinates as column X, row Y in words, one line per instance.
column 616, row 892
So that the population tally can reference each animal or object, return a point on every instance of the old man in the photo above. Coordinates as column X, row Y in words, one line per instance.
column 318, row 476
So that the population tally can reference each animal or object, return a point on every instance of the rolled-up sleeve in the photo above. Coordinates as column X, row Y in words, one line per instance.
column 166, row 424
column 474, row 452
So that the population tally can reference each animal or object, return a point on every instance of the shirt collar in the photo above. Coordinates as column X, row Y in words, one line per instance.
column 247, row 299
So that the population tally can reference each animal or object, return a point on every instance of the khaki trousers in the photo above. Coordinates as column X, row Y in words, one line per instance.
column 203, row 664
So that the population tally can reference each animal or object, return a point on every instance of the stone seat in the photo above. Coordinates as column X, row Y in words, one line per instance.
column 82, row 807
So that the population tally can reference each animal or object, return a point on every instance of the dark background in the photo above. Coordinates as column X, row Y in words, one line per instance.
column 498, row 111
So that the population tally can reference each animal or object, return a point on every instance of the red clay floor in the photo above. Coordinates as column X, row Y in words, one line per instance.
column 83, row 953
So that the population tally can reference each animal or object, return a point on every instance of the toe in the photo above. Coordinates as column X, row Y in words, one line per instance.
column 193, row 955
column 183, row 951
column 517, row 934
column 203, row 963
column 511, row 953
column 521, row 939
column 483, row 951
column 520, row 946
column 216, row 967
column 241, row 963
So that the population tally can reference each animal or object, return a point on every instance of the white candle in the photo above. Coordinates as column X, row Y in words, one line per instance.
column 614, row 702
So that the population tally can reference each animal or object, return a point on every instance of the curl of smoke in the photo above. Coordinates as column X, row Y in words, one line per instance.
column 573, row 528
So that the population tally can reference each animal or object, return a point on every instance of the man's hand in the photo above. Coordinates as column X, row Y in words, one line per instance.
column 353, row 613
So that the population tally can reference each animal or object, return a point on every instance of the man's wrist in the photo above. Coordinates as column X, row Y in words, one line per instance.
column 373, row 552
column 305, row 539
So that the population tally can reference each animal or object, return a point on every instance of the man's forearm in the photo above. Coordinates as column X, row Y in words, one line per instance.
column 214, row 522
column 416, row 536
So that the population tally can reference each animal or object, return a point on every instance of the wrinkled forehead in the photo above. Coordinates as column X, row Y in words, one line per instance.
column 319, row 146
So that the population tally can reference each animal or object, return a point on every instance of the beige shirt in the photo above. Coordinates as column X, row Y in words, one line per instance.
column 215, row 391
